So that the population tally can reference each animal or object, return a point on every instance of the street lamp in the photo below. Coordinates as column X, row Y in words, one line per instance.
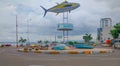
column 16, row 32
column 28, row 30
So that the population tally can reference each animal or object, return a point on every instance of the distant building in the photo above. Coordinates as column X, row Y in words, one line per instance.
column 104, row 30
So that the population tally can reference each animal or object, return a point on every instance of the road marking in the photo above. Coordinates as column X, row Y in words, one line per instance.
column 36, row 65
column 52, row 59
column 110, row 59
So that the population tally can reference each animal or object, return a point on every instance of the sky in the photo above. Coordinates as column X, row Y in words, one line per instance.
column 86, row 18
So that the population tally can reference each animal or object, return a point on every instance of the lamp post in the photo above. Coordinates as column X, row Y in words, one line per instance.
column 28, row 31
column 16, row 32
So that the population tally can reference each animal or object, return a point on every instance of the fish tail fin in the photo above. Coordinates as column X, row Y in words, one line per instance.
column 44, row 10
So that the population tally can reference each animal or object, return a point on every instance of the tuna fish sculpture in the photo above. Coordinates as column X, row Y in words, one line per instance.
column 62, row 7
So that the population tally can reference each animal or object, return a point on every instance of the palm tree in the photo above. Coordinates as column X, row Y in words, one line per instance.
column 87, row 38
column 22, row 41
column 46, row 41
column 39, row 41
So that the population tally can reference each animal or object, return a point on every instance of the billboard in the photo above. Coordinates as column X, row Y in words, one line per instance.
column 65, row 26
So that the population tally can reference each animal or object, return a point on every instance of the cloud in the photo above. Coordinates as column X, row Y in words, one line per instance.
column 85, row 18
column 112, row 9
column 111, row 3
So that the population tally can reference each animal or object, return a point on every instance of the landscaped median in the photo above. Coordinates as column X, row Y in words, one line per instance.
column 75, row 51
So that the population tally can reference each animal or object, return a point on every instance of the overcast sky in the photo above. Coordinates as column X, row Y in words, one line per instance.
column 85, row 19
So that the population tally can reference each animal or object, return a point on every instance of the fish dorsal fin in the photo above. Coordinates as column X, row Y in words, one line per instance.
column 66, row 1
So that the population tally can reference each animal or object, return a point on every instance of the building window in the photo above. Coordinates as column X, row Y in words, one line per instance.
column 106, row 22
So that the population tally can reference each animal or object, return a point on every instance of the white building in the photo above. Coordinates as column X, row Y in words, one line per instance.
column 106, row 25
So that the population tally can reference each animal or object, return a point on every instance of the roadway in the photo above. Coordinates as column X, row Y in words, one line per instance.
column 10, row 57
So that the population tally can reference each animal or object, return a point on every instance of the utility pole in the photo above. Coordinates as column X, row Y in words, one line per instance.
column 28, row 31
column 16, row 32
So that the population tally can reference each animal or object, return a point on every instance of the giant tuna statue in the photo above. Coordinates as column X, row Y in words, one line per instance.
column 62, row 7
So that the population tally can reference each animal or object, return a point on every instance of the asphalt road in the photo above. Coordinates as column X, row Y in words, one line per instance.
column 10, row 57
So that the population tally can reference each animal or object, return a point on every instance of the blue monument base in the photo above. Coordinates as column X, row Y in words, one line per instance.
column 83, row 46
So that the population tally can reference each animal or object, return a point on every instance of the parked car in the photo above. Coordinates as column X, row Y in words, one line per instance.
column 116, row 44
column 7, row 45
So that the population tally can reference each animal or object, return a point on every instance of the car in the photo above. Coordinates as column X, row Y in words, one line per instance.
column 116, row 44
column 7, row 45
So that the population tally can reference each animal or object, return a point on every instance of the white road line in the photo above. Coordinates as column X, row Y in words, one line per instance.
column 36, row 65
column 117, row 59
column 57, row 59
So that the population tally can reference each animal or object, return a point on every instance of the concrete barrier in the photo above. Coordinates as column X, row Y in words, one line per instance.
column 78, row 51
column 37, row 51
column 54, row 52
column 87, row 52
column 103, row 51
column 73, row 52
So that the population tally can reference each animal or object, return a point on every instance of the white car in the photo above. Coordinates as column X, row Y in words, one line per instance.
column 116, row 43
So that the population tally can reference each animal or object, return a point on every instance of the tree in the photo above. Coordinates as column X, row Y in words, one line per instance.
column 75, row 42
column 54, row 42
column 116, row 31
column 22, row 40
column 39, row 41
column 70, row 43
column 46, row 41
column 87, row 38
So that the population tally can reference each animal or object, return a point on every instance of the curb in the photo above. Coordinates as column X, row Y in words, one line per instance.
column 87, row 52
